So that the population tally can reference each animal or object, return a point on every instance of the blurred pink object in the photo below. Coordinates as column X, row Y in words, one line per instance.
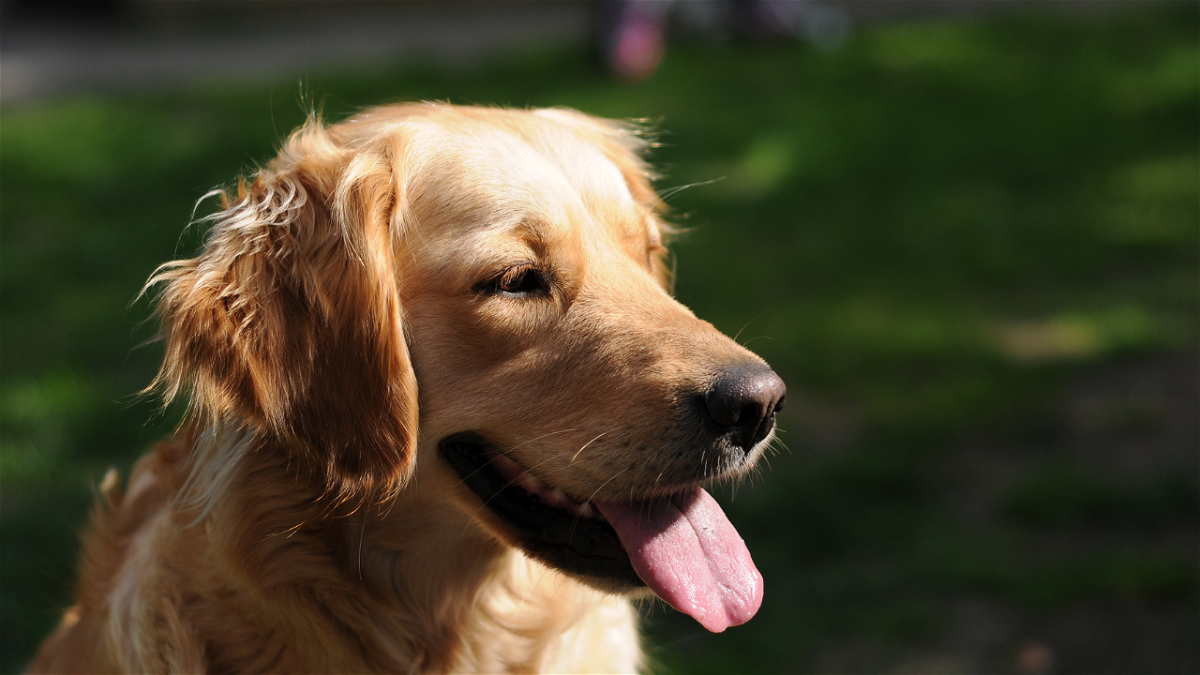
column 637, row 38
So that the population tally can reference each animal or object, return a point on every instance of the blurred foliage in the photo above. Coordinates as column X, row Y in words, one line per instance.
column 926, row 230
column 1066, row 495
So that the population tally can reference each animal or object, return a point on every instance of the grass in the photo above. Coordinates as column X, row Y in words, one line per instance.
column 929, row 232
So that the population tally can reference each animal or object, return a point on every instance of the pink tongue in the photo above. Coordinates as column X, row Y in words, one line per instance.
column 688, row 552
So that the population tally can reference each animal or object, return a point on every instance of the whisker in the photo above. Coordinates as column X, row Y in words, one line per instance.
column 666, row 193
column 505, row 453
column 585, row 446
column 781, row 445
column 289, row 532
column 757, row 337
column 747, row 325
column 534, row 440
column 589, row 499
column 507, row 485
column 361, row 535
column 766, row 460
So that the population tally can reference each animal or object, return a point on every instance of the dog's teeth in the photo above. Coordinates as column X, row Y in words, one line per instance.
column 532, row 483
column 585, row 510
column 558, row 498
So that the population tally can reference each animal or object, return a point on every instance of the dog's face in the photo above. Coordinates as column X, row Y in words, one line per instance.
column 493, row 279
column 538, row 321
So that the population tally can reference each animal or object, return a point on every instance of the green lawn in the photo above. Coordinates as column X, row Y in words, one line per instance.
column 972, row 249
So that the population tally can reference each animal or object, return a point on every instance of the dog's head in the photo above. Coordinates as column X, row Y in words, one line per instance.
column 485, row 289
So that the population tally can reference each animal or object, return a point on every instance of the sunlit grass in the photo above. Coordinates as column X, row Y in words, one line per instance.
column 925, row 231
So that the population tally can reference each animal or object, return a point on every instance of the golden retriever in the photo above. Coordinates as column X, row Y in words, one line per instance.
column 443, row 417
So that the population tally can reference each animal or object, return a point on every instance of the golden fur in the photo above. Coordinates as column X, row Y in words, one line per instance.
column 341, row 319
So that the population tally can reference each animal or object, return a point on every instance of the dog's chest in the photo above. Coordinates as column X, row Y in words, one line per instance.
column 537, row 620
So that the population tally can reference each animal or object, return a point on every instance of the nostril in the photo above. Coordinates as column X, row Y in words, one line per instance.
column 743, row 402
column 724, row 407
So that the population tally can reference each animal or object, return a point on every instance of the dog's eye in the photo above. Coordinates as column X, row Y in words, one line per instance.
column 521, row 280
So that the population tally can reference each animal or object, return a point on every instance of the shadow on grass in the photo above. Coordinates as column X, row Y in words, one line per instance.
column 929, row 232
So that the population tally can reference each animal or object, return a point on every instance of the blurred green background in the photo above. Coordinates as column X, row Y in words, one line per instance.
column 971, row 246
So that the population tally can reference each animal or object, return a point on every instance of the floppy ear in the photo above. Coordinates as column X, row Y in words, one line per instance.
column 289, row 322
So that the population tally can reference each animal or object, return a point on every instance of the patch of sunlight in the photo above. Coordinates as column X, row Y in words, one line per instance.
column 1148, row 224
column 69, row 140
column 866, row 322
column 88, row 140
column 53, row 395
column 23, row 463
column 1162, row 178
column 33, row 419
column 1159, row 202
column 1171, row 79
column 762, row 168
column 1083, row 336
column 876, row 325
column 920, row 45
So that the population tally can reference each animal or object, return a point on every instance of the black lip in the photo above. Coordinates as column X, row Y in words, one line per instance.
column 580, row 546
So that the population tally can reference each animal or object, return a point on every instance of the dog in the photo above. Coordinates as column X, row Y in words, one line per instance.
column 444, row 416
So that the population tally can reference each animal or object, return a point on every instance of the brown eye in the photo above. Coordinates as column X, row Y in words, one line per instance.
column 522, row 280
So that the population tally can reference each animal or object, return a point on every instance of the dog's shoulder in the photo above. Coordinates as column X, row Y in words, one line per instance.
column 78, row 645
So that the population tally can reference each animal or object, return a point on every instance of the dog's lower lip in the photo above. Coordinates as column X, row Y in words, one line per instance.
column 583, row 546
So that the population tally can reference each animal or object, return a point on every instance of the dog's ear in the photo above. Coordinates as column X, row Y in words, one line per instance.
column 289, row 322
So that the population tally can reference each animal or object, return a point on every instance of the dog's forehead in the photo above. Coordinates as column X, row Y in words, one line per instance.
column 513, row 177
column 542, row 155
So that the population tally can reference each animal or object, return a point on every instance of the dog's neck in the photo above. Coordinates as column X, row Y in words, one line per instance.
column 416, row 583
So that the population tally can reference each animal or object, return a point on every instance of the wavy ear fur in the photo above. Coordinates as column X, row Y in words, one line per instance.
column 289, row 321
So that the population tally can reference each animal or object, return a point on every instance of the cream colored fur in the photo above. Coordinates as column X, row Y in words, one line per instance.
column 342, row 319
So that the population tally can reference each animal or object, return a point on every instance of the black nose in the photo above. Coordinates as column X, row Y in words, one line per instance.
column 743, row 403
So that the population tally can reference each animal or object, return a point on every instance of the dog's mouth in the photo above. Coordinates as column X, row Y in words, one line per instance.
column 682, row 546
column 561, row 532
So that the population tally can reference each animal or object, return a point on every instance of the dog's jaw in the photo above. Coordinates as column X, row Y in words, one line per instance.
column 585, row 548
column 680, row 545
